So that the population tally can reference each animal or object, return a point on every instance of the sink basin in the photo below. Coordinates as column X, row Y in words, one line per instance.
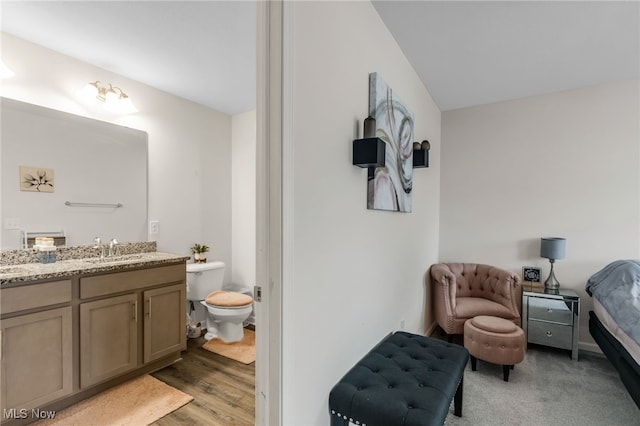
column 116, row 259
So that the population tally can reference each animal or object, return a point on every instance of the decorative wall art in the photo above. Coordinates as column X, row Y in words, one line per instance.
column 389, row 187
column 36, row 179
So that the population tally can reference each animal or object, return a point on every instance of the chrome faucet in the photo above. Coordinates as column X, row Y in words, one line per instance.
column 98, row 244
column 114, row 248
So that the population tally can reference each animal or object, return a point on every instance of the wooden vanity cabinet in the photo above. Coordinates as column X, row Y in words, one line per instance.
column 37, row 345
column 65, row 340
column 130, row 319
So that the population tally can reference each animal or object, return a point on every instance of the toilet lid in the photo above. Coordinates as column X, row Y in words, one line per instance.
column 228, row 298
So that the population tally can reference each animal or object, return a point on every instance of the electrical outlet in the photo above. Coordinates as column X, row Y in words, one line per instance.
column 154, row 227
column 402, row 324
column 12, row 223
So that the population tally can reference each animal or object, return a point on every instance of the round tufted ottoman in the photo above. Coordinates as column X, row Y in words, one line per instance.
column 495, row 340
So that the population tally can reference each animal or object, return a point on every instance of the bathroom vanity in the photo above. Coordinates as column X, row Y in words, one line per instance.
column 75, row 328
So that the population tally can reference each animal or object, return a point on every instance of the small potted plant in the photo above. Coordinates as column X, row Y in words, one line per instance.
column 199, row 252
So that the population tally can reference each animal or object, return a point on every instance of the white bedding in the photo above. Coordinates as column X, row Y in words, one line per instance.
column 627, row 342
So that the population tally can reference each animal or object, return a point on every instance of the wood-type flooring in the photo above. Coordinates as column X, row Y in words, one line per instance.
column 223, row 389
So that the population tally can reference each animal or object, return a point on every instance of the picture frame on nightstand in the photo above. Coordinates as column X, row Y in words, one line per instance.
column 531, row 276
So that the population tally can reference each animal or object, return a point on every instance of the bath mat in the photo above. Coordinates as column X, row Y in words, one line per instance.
column 140, row 401
column 243, row 351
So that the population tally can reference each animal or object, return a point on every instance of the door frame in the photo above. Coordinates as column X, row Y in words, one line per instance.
column 273, row 198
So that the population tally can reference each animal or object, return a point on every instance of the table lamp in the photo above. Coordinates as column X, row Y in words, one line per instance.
column 552, row 248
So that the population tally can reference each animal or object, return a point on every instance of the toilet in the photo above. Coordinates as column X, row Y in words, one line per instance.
column 225, row 310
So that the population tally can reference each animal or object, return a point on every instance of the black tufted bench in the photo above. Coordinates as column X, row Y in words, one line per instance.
column 406, row 379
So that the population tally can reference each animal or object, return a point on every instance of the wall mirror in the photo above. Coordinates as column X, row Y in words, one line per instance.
column 62, row 173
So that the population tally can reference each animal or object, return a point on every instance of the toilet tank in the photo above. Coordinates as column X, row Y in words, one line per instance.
column 203, row 278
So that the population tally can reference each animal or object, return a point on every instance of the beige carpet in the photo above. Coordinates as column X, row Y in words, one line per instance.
column 140, row 401
column 243, row 351
column 547, row 388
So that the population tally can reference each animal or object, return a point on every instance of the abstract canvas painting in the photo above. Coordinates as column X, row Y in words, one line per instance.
column 389, row 187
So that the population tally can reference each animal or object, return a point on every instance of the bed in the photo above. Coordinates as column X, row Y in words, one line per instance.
column 614, row 322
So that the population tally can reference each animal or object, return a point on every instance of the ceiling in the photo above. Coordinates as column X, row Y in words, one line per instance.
column 466, row 53
column 477, row 52
column 203, row 51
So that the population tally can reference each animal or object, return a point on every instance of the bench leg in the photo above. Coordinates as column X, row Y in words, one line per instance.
column 457, row 399
column 473, row 363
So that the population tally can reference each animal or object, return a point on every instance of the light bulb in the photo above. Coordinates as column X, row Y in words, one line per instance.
column 89, row 93
column 111, row 97
column 125, row 105
column 5, row 71
column 90, row 90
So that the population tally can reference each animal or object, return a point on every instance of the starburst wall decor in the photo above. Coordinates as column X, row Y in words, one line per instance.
column 36, row 179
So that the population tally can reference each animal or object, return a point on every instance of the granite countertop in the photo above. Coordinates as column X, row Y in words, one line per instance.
column 66, row 268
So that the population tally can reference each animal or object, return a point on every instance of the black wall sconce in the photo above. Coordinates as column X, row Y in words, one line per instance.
column 421, row 154
column 369, row 151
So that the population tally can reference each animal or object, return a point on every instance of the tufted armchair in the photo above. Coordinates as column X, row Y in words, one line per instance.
column 464, row 290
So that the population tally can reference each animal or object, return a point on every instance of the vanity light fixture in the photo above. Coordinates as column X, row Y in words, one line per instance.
column 5, row 71
column 114, row 98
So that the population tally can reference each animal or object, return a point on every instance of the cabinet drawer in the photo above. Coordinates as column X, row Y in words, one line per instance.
column 550, row 334
column 24, row 297
column 103, row 285
column 551, row 310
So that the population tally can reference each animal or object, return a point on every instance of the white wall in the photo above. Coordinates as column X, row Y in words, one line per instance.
column 564, row 164
column 189, row 145
column 354, row 273
column 243, row 199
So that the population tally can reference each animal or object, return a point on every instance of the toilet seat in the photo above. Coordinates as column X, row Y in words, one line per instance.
column 228, row 308
column 228, row 300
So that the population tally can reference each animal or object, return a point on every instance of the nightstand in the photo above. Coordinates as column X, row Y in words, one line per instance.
column 551, row 319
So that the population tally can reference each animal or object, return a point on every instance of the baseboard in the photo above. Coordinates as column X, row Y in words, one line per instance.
column 429, row 332
column 589, row 347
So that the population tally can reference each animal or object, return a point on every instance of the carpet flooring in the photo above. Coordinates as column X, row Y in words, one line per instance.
column 547, row 388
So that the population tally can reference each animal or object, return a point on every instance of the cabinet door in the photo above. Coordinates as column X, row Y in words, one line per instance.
column 165, row 325
column 37, row 361
column 108, row 338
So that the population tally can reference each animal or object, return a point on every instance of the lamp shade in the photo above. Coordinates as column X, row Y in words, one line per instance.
column 553, row 248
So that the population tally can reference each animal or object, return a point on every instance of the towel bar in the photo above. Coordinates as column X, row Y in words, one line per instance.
column 113, row 205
